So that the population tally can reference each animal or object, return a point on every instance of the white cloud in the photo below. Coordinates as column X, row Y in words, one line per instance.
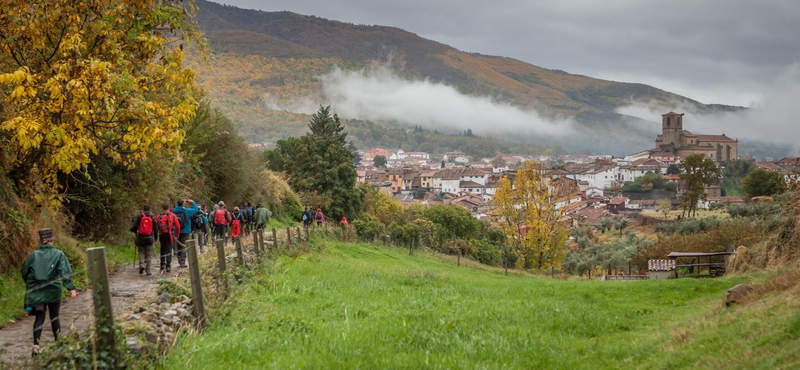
column 379, row 94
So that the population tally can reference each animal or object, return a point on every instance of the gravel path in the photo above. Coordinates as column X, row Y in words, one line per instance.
column 127, row 288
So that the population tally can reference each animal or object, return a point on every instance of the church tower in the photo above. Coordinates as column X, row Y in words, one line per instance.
column 671, row 129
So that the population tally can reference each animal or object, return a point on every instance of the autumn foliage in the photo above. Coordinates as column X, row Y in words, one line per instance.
column 80, row 79
column 530, row 217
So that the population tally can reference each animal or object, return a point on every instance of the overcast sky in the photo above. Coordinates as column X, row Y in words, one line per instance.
column 719, row 51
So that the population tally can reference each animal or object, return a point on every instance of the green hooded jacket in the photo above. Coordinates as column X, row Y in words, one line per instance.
column 262, row 215
column 43, row 273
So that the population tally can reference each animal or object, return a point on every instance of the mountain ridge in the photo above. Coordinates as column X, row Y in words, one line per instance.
column 286, row 36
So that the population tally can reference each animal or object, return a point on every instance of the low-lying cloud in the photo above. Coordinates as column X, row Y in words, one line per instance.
column 380, row 94
column 772, row 119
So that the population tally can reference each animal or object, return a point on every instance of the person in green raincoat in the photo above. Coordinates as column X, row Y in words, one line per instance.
column 46, row 272
column 261, row 216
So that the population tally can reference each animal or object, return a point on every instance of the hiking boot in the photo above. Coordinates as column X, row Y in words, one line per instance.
column 169, row 268
column 35, row 351
column 141, row 270
column 149, row 274
column 183, row 266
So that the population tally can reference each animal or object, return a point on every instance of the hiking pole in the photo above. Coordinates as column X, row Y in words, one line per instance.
column 135, row 252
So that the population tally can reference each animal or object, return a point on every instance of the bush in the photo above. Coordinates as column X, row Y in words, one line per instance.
column 757, row 209
column 488, row 253
column 368, row 228
column 689, row 226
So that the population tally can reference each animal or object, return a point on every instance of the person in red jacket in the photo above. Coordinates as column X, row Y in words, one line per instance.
column 144, row 226
column 168, row 232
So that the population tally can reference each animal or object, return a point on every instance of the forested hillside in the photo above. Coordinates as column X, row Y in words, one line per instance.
column 267, row 62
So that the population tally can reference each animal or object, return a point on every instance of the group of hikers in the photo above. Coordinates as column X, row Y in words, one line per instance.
column 173, row 227
column 46, row 271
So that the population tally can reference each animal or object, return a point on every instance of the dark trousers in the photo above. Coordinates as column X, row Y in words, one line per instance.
column 38, row 324
column 166, row 250
column 180, row 248
column 219, row 233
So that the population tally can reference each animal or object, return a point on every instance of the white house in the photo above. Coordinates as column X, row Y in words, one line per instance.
column 602, row 176
column 639, row 168
column 449, row 180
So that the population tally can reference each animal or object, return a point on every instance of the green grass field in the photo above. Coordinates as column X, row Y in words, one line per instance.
column 356, row 306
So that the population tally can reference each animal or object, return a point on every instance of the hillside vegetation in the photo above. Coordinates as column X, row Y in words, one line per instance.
column 364, row 306
column 265, row 62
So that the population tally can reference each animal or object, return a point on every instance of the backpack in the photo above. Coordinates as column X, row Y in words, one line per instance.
column 199, row 221
column 305, row 216
column 320, row 217
column 164, row 224
column 145, row 225
column 220, row 217
column 182, row 221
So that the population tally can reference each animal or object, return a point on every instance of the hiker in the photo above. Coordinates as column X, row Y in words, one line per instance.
column 220, row 219
column 250, row 221
column 184, row 217
column 199, row 228
column 206, row 231
column 344, row 221
column 319, row 217
column 168, row 233
column 144, row 226
column 237, row 220
column 261, row 217
column 45, row 271
column 245, row 220
column 307, row 217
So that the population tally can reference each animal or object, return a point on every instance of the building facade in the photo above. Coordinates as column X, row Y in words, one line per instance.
column 681, row 143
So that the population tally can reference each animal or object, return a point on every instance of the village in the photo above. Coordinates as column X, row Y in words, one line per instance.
column 597, row 187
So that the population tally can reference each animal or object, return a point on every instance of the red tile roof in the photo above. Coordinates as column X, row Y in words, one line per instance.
column 618, row 200
column 722, row 137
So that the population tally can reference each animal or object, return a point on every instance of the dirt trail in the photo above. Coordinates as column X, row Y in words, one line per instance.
column 127, row 288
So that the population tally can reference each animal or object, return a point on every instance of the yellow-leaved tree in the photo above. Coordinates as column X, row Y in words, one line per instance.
column 80, row 79
column 531, row 217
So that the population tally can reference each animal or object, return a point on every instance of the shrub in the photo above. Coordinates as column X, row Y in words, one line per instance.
column 488, row 253
column 756, row 209
column 368, row 228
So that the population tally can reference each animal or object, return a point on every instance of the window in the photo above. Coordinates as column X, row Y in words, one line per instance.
column 667, row 121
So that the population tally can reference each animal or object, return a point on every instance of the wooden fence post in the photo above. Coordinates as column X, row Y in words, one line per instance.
column 274, row 239
column 299, row 236
column 101, row 297
column 221, row 261
column 198, row 303
column 239, row 255
column 308, row 235
column 288, row 236
column 459, row 257
column 257, row 245
column 221, row 255
column 411, row 248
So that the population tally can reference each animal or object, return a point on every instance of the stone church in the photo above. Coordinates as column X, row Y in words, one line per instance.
column 681, row 143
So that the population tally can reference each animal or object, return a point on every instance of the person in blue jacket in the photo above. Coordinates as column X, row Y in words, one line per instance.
column 184, row 217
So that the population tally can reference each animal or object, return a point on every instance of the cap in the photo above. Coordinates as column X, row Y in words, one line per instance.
column 46, row 235
column 221, row 203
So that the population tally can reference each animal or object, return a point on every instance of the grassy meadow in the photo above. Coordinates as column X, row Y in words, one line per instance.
column 361, row 306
